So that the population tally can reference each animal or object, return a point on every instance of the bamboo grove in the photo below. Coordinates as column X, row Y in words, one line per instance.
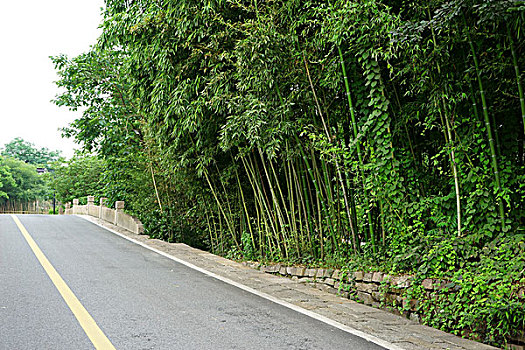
column 309, row 130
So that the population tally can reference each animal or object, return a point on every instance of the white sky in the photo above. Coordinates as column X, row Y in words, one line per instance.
column 30, row 32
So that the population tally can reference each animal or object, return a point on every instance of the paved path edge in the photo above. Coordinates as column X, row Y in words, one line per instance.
column 377, row 326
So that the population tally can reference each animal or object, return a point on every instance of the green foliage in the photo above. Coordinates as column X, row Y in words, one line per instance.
column 7, row 183
column 20, row 182
column 28, row 153
column 168, row 225
column 342, row 132
column 480, row 292
column 78, row 177
column 248, row 250
column 93, row 83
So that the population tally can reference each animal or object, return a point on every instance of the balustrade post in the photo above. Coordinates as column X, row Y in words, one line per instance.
column 102, row 204
column 119, row 205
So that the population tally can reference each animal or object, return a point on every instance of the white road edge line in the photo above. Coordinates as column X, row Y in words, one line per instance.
column 387, row 345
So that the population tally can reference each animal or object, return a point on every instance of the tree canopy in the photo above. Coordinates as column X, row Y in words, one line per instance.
column 28, row 153
column 20, row 182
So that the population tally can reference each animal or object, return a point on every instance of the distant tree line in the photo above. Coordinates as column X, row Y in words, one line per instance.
column 20, row 182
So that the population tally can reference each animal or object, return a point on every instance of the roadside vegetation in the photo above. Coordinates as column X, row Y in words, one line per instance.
column 21, row 186
column 361, row 134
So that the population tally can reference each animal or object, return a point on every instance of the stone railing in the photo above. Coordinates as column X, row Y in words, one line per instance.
column 115, row 216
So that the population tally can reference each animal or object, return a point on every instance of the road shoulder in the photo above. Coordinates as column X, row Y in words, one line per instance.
column 381, row 327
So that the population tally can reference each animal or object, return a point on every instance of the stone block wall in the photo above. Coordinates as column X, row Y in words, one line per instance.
column 376, row 289
column 372, row 288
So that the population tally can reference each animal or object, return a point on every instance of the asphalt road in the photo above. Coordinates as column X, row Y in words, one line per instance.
column 138, row 298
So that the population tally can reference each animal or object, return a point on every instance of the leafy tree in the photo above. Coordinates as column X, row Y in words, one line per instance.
column 27, row 152
column 78, row 177
column 20, row 181
column 6, row 180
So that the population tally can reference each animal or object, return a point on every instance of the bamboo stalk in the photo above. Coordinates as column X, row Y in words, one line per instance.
column 263, row 202
column 225, row 192
column 473, row 99
column 456, row 180
column 210, row 232
column 291, row 201
column 358, row 148
column 330, row 200
column 308, row 206
column 494, row 161
column 155, row 186
column 226, row 218
column 313, row 199
column 258, row 206
column 262, row 224
column 276, row 205
column 221, row 232
column 340, row 177
column 518, row 75
column 280, row 192
column 243, row 204
column 448, row 139
column 320, row 204
column 299, row 195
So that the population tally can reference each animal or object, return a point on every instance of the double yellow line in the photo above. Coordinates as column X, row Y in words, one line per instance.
column 94, row 333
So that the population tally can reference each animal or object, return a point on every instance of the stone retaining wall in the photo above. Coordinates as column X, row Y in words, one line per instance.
column 372, row 288
column 115, row 216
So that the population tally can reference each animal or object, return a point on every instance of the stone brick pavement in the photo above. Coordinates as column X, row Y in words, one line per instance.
column 398, row 331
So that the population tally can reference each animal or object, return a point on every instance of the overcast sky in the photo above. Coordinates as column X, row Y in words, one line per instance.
column 31, row 31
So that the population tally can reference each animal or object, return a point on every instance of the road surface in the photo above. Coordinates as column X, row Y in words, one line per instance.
column 66, row 283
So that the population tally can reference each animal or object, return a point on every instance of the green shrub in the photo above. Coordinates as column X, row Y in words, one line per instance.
column 480, row 293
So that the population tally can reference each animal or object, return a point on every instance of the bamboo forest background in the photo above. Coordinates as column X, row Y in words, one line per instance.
column 387, row 133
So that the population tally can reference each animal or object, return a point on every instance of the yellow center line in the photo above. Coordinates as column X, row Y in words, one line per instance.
column 94, row 333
